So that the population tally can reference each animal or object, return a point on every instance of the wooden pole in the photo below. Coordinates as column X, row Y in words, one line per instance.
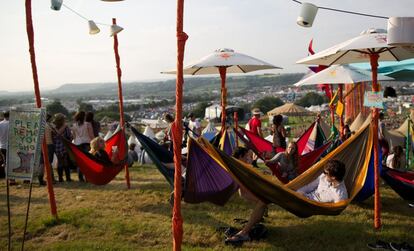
column 223, row 71
column 30, row 36
column 375, row 115
column 120, row 96
column 177, row 221
column 236, row 126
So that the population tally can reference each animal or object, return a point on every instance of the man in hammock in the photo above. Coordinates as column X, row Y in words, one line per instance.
column 98, row 150
column 328, row 187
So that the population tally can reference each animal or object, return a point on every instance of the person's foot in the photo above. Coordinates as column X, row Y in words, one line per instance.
column 411, row 205
column 42, row 183
column 60, row 179
column 401, row 246
column 237, row 239
column 68, row 180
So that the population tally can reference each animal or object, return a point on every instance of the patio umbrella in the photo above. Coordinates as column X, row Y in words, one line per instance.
column 370, row 46
column 290, row 109
column 339, row 74
column 223, row 61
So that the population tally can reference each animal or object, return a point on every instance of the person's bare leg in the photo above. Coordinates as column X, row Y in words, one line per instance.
column 255, row 217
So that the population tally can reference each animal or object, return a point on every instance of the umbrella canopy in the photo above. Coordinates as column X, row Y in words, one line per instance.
column 356, row 50
column 224, row 61
column 290, row 109
column 339, row 74
column 234, row 62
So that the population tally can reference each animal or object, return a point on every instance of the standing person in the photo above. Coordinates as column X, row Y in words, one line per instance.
column 62, row 132
column 287, row 161
column 385, row 147
column 255, row 126
column 194, row 125
column 50, row 150
column 168, row 140
column 279, row 132
column 96, row 126
column 132, row 155
column 82, row 135
column 4, row 134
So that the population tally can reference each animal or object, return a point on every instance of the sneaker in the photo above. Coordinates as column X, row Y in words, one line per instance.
column 379, row 245
column 411, row 205
column 401, row 246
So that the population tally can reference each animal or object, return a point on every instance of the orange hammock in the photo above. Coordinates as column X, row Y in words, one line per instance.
column 95, row 170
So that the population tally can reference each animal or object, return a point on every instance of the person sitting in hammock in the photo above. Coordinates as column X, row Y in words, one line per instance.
column 328, row 187
column 287, row 161
column 98, row 150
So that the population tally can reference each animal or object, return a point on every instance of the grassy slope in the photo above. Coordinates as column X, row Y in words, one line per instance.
column 112, row 218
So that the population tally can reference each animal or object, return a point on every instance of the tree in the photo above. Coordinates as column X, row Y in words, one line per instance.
column 56, row 107
column 268, row 103
column 311, row 98
column 199, row 110
column 85, row 107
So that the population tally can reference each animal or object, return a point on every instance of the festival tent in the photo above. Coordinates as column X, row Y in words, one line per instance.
column 209, row 131
column 290, row 109
column 355, row 153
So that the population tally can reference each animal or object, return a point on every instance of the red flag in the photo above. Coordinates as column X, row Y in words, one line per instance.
column 310, row 47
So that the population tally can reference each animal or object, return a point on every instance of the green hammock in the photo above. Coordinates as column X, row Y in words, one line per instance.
column 355, row 153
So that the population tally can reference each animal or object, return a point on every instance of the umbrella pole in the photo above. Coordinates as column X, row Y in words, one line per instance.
column 30, row 36
column 120, row 96
column 375, row 87
column 223, row 71
column 407, row 144
column 332, row 107
column 177, row 130
column 236, row 126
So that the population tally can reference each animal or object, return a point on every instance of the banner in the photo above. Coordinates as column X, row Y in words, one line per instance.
column 374, row 99
column 340, row 108
column 26, row 129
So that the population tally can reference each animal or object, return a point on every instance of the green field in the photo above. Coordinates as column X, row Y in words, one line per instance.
column 113, row 218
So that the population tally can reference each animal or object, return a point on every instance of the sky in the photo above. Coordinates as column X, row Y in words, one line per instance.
column 265, row 29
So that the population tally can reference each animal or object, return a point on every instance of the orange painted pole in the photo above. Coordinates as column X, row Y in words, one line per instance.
column 120, row 96
column 30, row 36
column 375, row 115
column 177, row 220
column 332, row 107
column 236, row 126
column 223, row 71
column 341, row 118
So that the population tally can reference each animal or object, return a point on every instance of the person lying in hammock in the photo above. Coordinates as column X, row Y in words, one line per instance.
column 328, row 187
column 98, row 150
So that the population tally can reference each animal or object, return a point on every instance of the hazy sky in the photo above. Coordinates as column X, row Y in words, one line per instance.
column 265, row 29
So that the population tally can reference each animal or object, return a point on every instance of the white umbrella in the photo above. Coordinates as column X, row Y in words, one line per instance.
column 224, row 61
column 370, row 46
column 339, row 74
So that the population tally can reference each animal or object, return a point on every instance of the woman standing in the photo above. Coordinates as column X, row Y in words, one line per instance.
column 82, row 135
column 279, row 132
column 62, row 132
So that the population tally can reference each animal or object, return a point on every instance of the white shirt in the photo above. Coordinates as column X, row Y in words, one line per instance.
column 194, row 126
column 324, row 191
column 81, row 134
column 390, row 159
column 4, row 133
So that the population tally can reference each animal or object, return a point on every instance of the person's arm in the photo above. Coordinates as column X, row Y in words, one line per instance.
column 275, row 158
column 309, row 187
column 259, row 129
column 90, row 130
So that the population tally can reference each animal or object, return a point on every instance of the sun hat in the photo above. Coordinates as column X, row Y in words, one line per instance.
column 256, row 111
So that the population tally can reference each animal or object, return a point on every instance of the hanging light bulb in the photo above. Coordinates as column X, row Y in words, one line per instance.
column 56, row 4
column 93, row 28
column 115, row 29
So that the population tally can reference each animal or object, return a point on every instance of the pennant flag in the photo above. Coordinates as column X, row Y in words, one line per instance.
column 340, row 108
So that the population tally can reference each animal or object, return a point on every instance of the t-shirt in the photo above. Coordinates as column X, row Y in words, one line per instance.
column 81, row 133
column 324, row 191
column 4, row 133
column 194, row 127
column 254, row 124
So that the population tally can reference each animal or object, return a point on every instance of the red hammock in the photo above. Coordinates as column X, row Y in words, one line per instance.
column 260, row 145
column 96, row 171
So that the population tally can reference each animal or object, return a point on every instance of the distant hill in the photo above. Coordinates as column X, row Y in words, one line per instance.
column 167, row 87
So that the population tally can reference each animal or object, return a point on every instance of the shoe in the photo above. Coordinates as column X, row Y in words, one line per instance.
column 60, row 179
column 411, row 205
column 401, row 246
column 230, row 232
column 379, row 245
column 42, row 183
column 237, row 240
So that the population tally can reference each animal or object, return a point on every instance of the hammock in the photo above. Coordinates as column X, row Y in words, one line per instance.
column 401, row 182
column 260, row 145
column 355, row 153
column 205, row 179
column 95, row 170
column 158, row 154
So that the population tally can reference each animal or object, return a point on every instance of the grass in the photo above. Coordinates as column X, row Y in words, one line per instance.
column 113, row 218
